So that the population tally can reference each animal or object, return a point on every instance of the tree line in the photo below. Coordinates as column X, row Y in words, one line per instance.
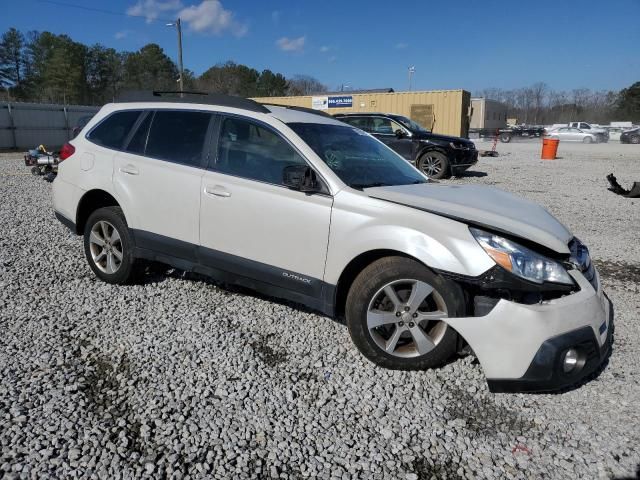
column 539, row 104
column 45, row 67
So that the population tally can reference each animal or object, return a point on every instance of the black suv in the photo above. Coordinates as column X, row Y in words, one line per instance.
column 438, row 156
column 630, row 136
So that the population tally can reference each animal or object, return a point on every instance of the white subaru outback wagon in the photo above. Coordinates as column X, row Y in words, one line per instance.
column 297, row 205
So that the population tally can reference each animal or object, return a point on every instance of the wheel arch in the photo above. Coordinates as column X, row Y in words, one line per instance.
column 90, row 202
column 362, row 261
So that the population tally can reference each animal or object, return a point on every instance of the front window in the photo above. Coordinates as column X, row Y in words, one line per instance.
column 356, row 157
column 410, row 124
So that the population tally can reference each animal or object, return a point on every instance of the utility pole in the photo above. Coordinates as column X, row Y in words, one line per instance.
column 178, row 25
column 412, row 70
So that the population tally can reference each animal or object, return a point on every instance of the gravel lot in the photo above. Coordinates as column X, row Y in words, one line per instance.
column 179, row 378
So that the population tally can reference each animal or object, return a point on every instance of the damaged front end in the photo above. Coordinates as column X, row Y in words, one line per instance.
column 532, row 334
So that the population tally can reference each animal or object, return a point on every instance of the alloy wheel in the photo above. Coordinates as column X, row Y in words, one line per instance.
column 404, row 318
column 431, row 165
column 105, row 246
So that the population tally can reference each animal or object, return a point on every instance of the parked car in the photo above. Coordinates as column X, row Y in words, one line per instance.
column 599, row 132
column 615, row 132
column 80, row 124
column 569, row 134
column 438, row 156
column 630, row 136
column 304, row 207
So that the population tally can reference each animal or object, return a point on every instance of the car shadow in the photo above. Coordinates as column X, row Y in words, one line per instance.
column 470, row 173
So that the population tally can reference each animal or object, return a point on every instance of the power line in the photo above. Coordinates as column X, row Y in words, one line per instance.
column 101, row 10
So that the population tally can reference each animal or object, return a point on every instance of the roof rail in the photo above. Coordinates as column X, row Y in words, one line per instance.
column 207, row 98
column 299, row 109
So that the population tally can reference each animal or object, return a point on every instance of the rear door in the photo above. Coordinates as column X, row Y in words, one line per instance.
column 158, row 179
column 384, row 129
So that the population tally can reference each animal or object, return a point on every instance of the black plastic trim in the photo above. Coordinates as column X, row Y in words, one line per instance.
column 545, row 374
column 71, row 225
column 225, row 267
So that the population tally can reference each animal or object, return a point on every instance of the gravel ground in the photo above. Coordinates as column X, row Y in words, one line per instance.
column 179, row 378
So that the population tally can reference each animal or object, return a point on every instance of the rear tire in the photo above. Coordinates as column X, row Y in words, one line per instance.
column 505, row 137
column 403, row 330
column 635, row 139
column 108, row 246
column 587, row 140
column 435, row 165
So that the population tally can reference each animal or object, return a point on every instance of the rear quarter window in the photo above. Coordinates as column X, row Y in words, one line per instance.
column 114, row 129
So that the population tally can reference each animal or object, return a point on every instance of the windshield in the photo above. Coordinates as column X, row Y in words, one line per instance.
column 356, row 157
column 410, row 124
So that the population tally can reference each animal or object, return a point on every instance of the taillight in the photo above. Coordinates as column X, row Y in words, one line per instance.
column 66, row 151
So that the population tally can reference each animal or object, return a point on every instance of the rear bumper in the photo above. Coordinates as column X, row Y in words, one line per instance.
column 521, row 347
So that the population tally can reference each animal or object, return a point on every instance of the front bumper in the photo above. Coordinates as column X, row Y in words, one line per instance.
column 463, row 158
column 520, row 347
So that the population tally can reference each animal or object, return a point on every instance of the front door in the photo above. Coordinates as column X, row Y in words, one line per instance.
column 392, row 134
column 253, row 226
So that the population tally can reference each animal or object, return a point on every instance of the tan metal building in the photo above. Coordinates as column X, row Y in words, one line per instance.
column 442, row 111
column 488, row 113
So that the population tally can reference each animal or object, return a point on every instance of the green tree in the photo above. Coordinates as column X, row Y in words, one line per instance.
column 271, row 84
column 103, row 73
column 150, row 69
column 11, row 58
column 230, row 78
column 629, row 102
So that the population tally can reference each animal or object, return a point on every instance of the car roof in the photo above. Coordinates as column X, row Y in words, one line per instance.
column 293, row 115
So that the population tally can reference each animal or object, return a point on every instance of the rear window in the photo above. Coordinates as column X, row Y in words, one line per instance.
column 178, row 136
column 113, row 130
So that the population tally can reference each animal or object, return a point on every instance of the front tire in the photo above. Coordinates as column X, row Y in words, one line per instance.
column 586, row 140
column 635, row 139
column 108, row 246
column 434, row 165
column 394, row 313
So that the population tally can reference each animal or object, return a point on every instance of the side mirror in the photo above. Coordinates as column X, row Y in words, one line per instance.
column 400, row 134
column 302, row 178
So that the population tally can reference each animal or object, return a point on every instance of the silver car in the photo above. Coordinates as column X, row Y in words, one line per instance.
column 570, row 134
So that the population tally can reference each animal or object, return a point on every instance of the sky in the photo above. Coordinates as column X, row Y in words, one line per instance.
column 370, row 44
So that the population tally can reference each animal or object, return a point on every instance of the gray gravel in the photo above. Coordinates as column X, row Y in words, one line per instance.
column 180, row 378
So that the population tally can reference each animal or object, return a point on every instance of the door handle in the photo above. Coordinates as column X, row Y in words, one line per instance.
column 217, row 190
column 129, row 169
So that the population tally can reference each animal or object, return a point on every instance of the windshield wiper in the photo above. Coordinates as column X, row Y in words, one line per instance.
column 360, row 186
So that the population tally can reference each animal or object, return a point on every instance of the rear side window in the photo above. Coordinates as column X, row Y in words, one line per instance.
column 359, row 122
column 113, row 130
column 248, row 150
column 178, row 136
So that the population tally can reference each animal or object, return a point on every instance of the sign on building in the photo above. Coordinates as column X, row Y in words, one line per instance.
column 342, row 101
column 319, row 103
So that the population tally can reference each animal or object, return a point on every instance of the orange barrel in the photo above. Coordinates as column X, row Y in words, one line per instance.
column 549, row 148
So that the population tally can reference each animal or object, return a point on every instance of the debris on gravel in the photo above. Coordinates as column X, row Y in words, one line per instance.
column 179, row 377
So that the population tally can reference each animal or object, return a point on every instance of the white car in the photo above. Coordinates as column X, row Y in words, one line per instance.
column 570, row 134
column 300, row 206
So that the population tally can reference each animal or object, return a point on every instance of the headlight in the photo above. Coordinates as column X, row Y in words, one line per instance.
column 520, row 260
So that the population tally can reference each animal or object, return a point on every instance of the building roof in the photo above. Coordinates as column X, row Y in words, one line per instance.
column 355, row 92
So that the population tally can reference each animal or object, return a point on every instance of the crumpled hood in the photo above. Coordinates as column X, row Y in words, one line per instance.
column 482, row 205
